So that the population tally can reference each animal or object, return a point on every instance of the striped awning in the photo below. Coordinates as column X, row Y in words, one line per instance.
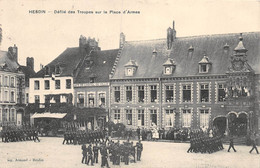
column 48, row 115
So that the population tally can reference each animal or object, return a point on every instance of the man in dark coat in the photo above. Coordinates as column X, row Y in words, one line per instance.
column 104, row 154
column 231, row 145
column 254, row 146
column 95, row 151
column 90, row 155
column 139, row 146
column 138, row 132
column 84, row 153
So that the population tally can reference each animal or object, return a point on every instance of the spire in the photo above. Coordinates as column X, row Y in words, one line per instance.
column 240, row 46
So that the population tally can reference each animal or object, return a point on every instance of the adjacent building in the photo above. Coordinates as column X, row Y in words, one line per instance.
column 79, row 76
column 11, row 88
column 92, row 85
column 188, row 82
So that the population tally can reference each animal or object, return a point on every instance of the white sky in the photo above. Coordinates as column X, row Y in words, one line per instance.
column 45, row 36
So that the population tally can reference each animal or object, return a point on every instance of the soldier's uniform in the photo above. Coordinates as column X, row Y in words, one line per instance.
column 65, row 138
column 117, row 153
column 84, row 153
column 90, row 155
column 35, row 135
column 104, row 157
column 231, row 145
column 254, row 146
column 95, row 151
column 139, row 150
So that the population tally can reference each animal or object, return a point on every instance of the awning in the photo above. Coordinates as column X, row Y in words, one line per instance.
column 48, row 115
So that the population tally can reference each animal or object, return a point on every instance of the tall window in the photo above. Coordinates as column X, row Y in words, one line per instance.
column 117, row 116
column 57, row 70
column 204, row 118
column 153, row 117
column 47, row 70
column 169, row 93
column 36, row 85
column 128, row 117
column 169, row 117
column 6, row 97
column 81, row 100
column 5, row 114
column 47, row 84
column 27, row 97
column 117, row 94
column 140, row 121
column 140, row 94
column 102, row 99
column 12, row 115
column 221, row 93
column 91, row 99
column 1, row 115
column 12, row 81
column 47, row 101
column 153, row 93
column 129, row 93
column 204, row 93
column 36, row 99
column 186, row 93
column 57, row 98
column 57, row 84
column 68, row 83
column 6, row 81
column 12, row 96
column 186, row 117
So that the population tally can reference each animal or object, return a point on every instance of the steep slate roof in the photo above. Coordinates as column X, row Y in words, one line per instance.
column 150, row 66
column 6, row 58
column 101, row 67
column 68, row 61
column 28, row 72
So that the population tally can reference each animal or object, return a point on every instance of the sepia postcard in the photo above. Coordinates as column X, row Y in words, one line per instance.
column 141, row 83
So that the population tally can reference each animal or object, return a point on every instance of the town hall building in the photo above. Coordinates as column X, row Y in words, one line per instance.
column 188, row 82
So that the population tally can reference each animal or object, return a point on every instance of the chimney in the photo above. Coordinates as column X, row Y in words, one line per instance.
column 1, row 35
column 41, row 66
column 171, row 35
column 173, row 31
column 122, row 40
column 14, row 52
column 30, row 62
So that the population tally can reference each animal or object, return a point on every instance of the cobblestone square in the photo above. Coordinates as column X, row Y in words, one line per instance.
column 50, row 153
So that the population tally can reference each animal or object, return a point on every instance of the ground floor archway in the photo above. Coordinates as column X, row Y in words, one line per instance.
column 237, row 123
column 220, row 123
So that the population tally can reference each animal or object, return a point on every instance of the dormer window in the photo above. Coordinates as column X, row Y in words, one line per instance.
column 169, row 67
column 47, row 70
column 57, row 70
column 130, row 68
column 203, row 68
column 204, row 64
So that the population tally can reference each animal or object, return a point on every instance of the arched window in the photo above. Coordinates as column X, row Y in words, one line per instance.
column 12, row 81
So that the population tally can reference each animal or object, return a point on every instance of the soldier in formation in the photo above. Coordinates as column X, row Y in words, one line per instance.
column 20, row 134
column 205, row 144
column 82, row 137
column 116, row 152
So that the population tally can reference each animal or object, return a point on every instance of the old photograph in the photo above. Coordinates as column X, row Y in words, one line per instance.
column 131, row 84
